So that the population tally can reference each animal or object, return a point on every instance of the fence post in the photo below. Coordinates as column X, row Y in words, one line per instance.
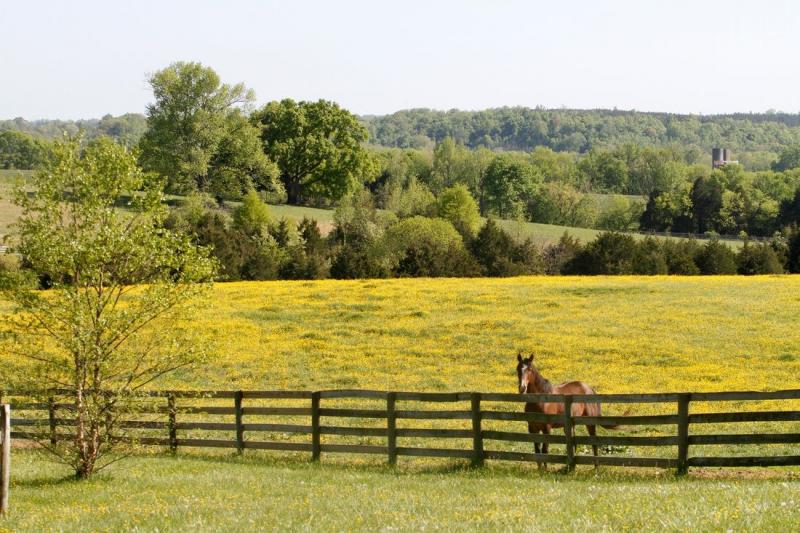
column 315, row 446
column 237, row 400
column 5, row 455
column 683, row 432
column 172, row 413
column 391, row 427
column 477, row 434
column 568, row 433
column 51, row 411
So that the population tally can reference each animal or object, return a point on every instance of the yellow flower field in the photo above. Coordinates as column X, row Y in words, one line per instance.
column 620, row 334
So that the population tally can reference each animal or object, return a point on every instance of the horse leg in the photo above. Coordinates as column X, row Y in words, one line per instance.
column 592, row 432
column 545, row 445
column 533, row 430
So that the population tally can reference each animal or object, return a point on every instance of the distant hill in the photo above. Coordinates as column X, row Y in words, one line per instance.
column 516, row 128
column 127, row 128
column 573, row 130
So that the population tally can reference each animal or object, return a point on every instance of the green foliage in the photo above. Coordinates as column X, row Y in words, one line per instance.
column 457, row 205
column 609, row 253
column 716, row 258
column 789, row 158
column 21, row 151
column 499, row 256
column 509, row 183
column 561, row 204
column 680, row 256
column 430, row 247
column 621, row 214
column 412, row 200
column 317, row 146
column 572, row 130
column 92, row 334
column 197, row 136
column 758, row 259
column 252, row 216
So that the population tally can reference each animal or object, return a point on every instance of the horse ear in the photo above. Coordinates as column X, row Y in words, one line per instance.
column 519, row 357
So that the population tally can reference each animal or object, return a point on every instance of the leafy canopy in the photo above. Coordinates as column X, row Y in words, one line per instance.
column 121, row 287
column 317, row 146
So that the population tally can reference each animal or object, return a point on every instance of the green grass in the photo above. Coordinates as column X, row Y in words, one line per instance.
column 191, row 492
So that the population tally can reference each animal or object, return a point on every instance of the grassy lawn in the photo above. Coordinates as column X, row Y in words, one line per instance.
column 621, row 334
column 259, row 492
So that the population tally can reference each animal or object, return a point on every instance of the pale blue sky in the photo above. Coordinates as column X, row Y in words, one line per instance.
column 82, row 58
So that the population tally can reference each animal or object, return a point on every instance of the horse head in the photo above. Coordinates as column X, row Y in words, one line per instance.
column 525, row 372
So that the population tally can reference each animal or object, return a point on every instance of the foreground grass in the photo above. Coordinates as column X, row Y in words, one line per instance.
column 225, row 493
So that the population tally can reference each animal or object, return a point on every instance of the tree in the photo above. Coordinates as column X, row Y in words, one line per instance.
column 609, row 253
column 421, row 246
column 716, row 258
column 509, row 184
column 788, row 159
column 706, row 204
column 115, row 319
column 198, row 137
column 499, row 256
column 20, row 151
column 457, row 205
column 252, row 217
column 758, row 259
column 605, row 172
column 317, row 146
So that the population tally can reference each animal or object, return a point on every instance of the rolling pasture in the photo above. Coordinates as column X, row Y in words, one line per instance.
column 619, row 334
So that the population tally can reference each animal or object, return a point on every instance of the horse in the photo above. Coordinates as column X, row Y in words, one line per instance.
column 532, row 382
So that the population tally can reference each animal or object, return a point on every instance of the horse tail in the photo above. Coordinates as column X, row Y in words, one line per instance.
column 610, row 426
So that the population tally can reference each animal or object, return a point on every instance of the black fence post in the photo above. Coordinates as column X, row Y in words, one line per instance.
column 477, row 433
column 237, row 400
column 5, row 456
column 315, row 441
column 51, row 412
column 172, row 423
column 683, row 433
column 569, row 433
column 391, row 427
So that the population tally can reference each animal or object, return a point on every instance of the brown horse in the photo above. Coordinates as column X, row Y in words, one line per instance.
column 532, row 382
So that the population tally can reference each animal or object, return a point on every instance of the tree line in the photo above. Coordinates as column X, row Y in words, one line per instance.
column 450, row 241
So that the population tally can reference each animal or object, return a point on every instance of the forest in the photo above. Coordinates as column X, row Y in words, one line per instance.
column 412, row 191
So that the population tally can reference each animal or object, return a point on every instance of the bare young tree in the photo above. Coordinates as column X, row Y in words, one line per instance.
column 120, row 291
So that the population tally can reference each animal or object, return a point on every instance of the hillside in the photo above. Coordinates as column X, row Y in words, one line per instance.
column 519, row 128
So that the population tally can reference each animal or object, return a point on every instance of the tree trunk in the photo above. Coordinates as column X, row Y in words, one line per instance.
column 293, row 192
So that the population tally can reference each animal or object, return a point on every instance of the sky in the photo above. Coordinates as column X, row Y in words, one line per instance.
column 86, row 58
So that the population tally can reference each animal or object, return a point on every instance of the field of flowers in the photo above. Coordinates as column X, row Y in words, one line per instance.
column 620, row 334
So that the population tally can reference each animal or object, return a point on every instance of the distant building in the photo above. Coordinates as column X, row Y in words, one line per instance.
column 721, row 157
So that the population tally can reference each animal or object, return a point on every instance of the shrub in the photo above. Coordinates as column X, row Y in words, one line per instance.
column 757, row 259
column 716, row 258
column 499, row 256
column 609, row 253
column 680, row 257
column 649, row 258
column 252, row 217
column 557, row 256
column 457, row 205
column 421, row 246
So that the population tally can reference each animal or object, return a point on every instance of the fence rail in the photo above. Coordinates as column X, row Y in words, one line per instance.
column 476, row 411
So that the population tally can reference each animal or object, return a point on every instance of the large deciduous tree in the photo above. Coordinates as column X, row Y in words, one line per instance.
column 121, row 290
column 317, row 146
column 509, row 184
column 198, row 135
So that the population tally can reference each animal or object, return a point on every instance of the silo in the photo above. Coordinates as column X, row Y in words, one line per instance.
column 725, row 157
column 716, row 155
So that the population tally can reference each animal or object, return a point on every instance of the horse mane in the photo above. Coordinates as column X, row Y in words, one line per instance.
column 542, row 384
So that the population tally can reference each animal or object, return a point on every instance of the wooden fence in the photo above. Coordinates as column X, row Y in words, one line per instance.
column 476, row 411
column 5, row 456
